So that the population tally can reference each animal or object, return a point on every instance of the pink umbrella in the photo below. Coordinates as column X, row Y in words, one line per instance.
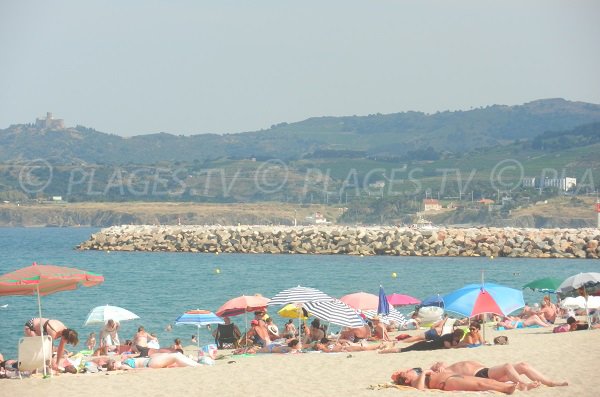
column 242, row 304
column 361, row 301
column 402, row 300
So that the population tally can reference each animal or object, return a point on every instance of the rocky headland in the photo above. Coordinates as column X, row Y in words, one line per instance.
column 329, row 240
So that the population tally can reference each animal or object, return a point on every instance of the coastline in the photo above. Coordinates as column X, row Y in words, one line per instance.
column 347, row 240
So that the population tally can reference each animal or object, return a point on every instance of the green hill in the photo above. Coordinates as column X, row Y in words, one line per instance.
column 400, row 135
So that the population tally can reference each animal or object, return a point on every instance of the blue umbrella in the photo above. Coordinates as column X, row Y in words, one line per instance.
column 435, row 300
column 383, row 307
column 199, row 318
column 474, row 299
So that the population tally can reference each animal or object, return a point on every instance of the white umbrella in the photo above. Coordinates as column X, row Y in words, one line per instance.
column 590, row 281
column 579, row 302
column 335, row 312
column 394, row 315
column 299, row 295
column 101, row 314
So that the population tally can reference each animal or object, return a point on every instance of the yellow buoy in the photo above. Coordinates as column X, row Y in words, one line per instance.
column 492, row 257
column 217, row 271
column 394, row 275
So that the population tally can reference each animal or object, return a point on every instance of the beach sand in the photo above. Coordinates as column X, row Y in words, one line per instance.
column 569, row 356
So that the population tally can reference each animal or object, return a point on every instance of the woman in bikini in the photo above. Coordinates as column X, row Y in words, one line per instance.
column 515, row 322
column 56, row 330
column 157, row 360
column 503, row 373
column 422, row 380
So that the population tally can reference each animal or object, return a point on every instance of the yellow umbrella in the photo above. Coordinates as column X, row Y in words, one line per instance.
column 291, row 310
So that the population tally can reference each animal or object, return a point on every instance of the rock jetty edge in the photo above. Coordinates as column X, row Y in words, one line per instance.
column 351, row 240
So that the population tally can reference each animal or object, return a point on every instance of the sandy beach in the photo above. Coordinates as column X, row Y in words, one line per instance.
column 566, row 356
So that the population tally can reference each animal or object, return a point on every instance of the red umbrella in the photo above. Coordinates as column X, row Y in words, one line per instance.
column 361, row 301
column 402, row 300
column 242, row 304
column 44, row 280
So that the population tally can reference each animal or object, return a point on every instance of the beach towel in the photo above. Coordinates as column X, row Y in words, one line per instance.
column 390, row 385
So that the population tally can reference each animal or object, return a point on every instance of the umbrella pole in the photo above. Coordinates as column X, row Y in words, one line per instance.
column 42, row 329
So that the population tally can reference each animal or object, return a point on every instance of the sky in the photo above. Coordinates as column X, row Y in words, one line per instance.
column 188, row 67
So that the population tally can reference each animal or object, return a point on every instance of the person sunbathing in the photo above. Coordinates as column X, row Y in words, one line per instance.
column 449, row 381
column 447, row 341
column 379, row 330
column 327, row 346
column 474, row 336
column 433, row 333
column 293, row 346
column 502, row 373
column 157, row 360
column 509, row 322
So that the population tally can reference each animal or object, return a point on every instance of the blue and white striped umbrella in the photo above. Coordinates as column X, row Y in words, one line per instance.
column 336, row 312
column 198, row 318
column 394, row 315
column 298, row 295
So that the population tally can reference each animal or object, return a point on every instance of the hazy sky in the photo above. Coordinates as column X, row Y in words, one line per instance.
column 134, row 67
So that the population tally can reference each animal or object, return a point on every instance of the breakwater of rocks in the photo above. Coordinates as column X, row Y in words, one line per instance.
column 329, row 240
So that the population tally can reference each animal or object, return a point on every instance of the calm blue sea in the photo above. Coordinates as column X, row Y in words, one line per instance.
column 160, row 286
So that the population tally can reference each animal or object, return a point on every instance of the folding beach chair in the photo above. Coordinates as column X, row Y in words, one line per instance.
column 34, row 352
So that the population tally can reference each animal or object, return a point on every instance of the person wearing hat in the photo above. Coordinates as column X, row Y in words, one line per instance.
column 256, row 335
column 379, row 330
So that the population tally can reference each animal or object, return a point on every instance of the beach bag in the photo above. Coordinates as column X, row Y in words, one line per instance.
column 209, row 351
column 501, row 340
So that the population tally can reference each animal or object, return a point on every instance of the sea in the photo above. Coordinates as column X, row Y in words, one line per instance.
column 159, row 287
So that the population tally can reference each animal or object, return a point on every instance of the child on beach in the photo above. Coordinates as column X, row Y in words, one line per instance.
column 90, row 343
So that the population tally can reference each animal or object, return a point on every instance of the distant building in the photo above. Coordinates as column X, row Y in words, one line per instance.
column 563, row 184
column 317, row 219
column 50, row 123
column 485, row 201
column 528, row 181
column 431, row 205
column 377, row 185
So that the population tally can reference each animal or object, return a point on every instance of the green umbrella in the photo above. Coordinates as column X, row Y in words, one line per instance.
column 547, row 284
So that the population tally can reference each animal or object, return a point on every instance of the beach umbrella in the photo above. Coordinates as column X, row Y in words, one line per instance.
column 101, row 314
column 335, row 312
column 590, row 282
column 402, row 300
column 435, row 300
column 199, row 318
column 474, row 299
column 383, row 306
column 298, row 295
column 293, row 310
column 547, row 284
column 361, row 301
column 580, row 302
column 43, row 280
column 394, row 315
column 242, row 304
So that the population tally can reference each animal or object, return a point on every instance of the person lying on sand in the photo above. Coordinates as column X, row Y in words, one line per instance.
column 433, row 333
column 293, row 346
column 327, row 346
column 428, row 379
column 447, row 341
column 502, row 373
column 509, row 322
column 157, row 360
